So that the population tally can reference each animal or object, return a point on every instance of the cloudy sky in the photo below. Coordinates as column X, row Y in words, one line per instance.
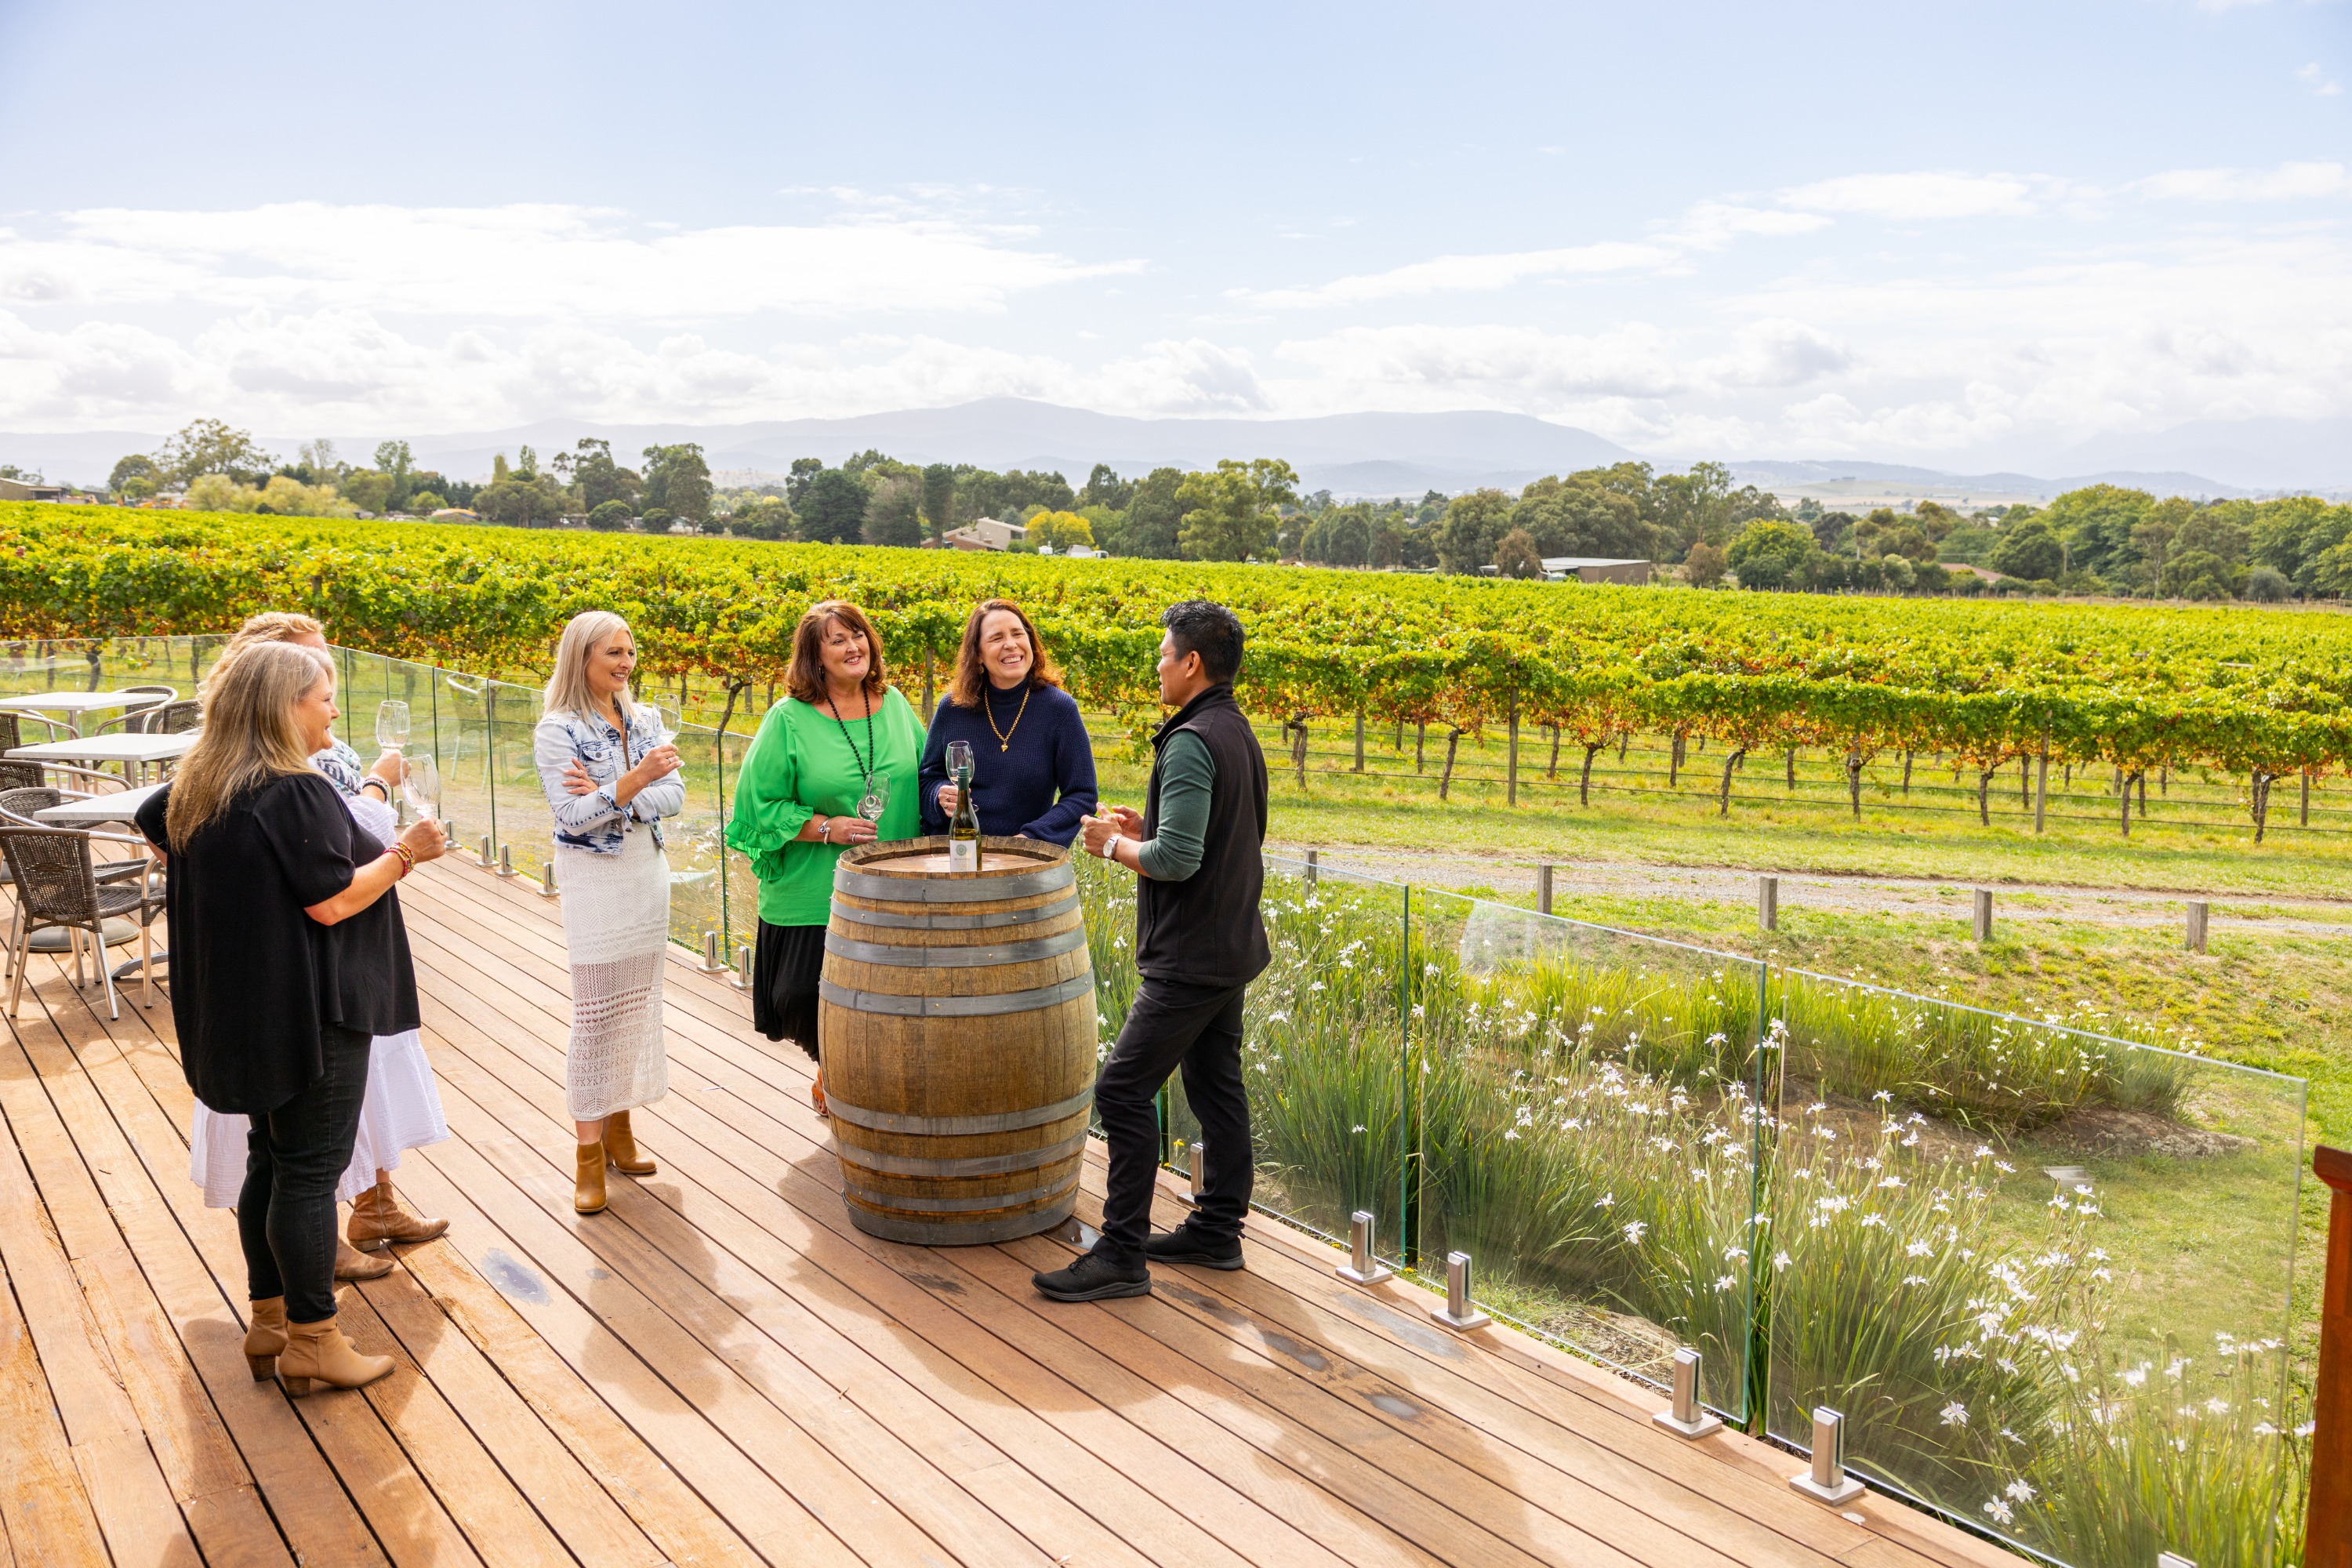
column 1955, row 234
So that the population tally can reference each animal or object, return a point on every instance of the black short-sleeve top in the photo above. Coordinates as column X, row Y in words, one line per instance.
column 253, row 977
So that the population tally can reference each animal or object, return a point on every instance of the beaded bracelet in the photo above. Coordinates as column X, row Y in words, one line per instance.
column 407, row 859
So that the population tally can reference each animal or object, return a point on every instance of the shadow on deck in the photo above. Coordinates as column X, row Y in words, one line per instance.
column 720, row 1369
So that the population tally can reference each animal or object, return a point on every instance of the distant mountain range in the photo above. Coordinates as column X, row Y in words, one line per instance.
column 1348, row 454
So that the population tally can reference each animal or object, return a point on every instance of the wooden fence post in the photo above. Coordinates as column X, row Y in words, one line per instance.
column 1768, row 903
column 2328, row 1526
column 1511, row 764
column 1359, row 740
column 1984, row 914
column 2196, row 908
column 1543, row 890
column 2042, row 787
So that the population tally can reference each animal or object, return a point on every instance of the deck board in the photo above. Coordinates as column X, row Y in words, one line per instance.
column 721, row 1369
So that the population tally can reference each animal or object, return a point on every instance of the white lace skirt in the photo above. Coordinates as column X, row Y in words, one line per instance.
column 401, row 1110
column 617, row 930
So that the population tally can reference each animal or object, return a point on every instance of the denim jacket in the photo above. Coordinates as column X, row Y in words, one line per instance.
column 593, row 822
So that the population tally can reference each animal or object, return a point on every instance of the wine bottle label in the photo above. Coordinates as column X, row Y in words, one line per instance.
column 963, row 854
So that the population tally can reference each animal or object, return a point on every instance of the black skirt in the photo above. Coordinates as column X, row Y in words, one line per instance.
column 785, row 967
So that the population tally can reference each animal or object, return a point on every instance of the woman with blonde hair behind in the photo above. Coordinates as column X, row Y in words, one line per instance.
column 289, row 957
column 610, row 776
column 402, row 1109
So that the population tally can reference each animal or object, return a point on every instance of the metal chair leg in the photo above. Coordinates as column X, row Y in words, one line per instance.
column 113, row 1003
column 16, row 986
column 146, row 965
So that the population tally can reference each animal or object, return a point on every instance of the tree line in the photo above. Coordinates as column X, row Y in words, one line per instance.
column 1697, row 525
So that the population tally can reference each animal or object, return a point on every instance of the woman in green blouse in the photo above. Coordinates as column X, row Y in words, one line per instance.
column 833, row 765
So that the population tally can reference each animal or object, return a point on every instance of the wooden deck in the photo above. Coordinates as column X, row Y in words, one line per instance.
column 721, row 1370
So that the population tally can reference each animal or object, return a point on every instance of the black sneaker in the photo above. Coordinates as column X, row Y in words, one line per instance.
column 1093, row 1276
column 1186, row 1244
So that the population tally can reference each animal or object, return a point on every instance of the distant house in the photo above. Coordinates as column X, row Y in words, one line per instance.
column 1595, row 569
column 985, row 534
column 30, row 489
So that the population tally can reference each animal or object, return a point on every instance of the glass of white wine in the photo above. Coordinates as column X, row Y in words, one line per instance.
column 391, row 724
column 877, row 798
column 420, row 785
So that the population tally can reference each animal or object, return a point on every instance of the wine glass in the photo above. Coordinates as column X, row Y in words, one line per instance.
column 391, row 724
column 665, row 723
column 877, row 799
column 960, row 761
column 420, row 785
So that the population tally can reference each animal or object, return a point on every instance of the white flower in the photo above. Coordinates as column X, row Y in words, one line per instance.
column 1633, row 1230
column 1419, row 1011
column 1359, row 1127
column 1510, row 1135
column 2022, row 1490
column 1606, row 1200
column 1984, row 1151
column 2136, row 1377
column 1316, row 987
column 1915, row 1280
column 2217, row 1406
column 1894, row 1181
column 1779, row 1260
column 1725, row 1282
column 1918, row 1250
column 1877, row 1219
column 1999, row 1511
column 1954, row 1414
column 2005, row 1167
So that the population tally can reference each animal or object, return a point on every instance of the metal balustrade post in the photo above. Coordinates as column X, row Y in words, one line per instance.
column 1460, row 1312
column 1827, row 1481
column 487, row 859
column 1362, row 1268
column 1687, row 1416
column 547, row 888
column 743, row 966
column 506, row 861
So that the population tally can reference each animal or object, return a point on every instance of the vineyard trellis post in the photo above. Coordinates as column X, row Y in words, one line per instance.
column 2042, row 785
column 1511, row 756
column 1359, row 738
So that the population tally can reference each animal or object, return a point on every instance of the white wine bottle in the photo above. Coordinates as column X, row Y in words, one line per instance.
column 963, row 828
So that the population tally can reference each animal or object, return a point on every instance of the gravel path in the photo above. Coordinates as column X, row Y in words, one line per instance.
column 1858, row 895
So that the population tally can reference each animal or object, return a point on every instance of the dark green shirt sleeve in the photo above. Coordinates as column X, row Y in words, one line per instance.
column 1186, row 774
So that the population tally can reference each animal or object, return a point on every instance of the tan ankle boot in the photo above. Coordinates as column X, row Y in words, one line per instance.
column 377, row 1220
column 621, row 1147
column 588, row 1197
column 264, row 1337
column 317, row 1354
column 349, row 1265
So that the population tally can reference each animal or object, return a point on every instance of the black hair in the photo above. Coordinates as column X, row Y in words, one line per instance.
column 1210, row 630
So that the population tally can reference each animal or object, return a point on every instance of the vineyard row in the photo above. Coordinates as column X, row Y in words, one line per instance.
column 2261, row 696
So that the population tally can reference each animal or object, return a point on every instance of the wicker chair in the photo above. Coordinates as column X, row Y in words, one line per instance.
column 174, row 717
column 137, row 720
column 19, row 807
column 58, row 886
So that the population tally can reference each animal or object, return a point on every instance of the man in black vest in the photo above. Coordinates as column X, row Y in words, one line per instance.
column 1198, row 944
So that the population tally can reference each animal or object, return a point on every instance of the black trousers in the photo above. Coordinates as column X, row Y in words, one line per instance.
column 1172, row 1024
column 293, row 1157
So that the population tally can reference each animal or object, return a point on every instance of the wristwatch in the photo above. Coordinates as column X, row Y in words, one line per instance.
column 824, row 829
column 1110, row 847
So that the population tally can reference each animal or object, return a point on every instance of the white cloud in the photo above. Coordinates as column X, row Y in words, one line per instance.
column 523, row 262
column 1459, row 274
column 2287, row 182
column 2318, row 80
column 1906, row 198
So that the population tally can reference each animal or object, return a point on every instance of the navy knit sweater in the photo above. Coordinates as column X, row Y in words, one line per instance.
column 1037, row 787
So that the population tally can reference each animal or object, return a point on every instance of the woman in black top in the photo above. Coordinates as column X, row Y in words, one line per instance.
column 1033, row 772
column 288, row 956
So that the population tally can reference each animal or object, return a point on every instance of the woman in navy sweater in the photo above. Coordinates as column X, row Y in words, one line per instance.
column 1032, row 773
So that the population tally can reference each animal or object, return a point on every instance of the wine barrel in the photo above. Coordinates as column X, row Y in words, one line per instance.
column 957, row 1017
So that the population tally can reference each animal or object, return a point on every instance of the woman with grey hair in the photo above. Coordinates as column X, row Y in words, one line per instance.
column 610, row 778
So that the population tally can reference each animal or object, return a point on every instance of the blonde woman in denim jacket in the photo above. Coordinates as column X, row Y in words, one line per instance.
column 609, row 779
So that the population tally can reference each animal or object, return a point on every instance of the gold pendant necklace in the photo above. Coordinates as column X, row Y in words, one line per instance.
column 1004, row 737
